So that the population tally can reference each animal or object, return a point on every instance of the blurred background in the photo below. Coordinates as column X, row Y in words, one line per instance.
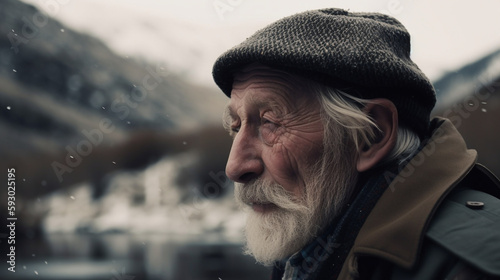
column 109, row 116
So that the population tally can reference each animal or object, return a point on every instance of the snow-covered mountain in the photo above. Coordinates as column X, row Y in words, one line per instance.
column 156, row 33
column 56, row 82
column 61, row 81
column 72, row 111
column 458, row 85
column 470, row 98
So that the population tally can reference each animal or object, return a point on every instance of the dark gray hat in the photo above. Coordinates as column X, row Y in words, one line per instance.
column 365, row 54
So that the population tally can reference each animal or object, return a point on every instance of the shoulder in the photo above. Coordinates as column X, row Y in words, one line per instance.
column 462, row 240
column 467, row 225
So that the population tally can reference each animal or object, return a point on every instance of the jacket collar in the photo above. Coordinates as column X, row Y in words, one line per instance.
column 395, row 228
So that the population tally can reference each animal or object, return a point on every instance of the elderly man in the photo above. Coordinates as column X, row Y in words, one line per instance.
column 336, row 160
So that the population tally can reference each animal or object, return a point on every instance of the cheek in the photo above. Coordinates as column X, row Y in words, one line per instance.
column 288, row 160
column 307, row 155
column 281, row 163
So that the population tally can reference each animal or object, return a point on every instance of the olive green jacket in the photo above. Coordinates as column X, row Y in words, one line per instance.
column 427, row 225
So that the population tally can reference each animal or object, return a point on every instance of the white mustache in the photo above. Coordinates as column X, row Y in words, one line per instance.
column 262, row 192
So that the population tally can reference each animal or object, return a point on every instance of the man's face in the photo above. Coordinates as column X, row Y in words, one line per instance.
column 277, row 132
column 288, row 181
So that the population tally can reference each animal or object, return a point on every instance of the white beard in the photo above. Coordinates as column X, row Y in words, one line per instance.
column 286, row 229
column 276, row 234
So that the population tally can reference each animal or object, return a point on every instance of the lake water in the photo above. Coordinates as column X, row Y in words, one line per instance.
column 132, row 257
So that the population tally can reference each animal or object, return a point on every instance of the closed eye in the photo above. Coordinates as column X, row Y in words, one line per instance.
column 235, row 129
column 266, row 121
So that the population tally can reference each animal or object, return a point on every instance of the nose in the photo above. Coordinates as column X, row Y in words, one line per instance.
column 244, row 163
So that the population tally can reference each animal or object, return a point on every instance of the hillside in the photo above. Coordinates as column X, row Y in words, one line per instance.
column 73, row 111
column 470, row 98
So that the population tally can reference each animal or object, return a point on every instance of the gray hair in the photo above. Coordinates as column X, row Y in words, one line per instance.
column 347, row 110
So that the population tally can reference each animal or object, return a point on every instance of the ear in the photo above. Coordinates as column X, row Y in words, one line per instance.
column 385, row 115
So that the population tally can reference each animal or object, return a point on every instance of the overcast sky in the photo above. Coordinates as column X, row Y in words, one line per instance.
column 445, row 34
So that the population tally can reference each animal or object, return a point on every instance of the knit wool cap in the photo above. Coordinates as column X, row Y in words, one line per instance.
column 365, row 54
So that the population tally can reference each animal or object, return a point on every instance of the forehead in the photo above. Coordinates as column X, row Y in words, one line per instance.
column 260, row 85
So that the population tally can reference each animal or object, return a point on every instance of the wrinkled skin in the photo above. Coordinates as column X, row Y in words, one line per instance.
column 277, row 130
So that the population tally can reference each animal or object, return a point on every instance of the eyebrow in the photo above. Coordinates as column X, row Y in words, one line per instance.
column 229, row 115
